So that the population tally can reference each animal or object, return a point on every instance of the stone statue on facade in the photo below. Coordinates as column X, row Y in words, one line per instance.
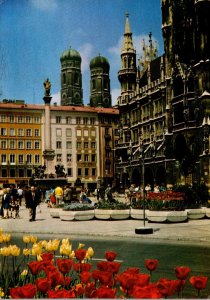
column 47, row 86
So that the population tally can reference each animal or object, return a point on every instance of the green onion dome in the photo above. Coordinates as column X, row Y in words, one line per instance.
column 99, row 62
column 70, row 54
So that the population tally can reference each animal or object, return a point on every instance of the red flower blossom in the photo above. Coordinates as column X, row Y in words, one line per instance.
column 43, row 285
column 110, row 255
column 151, row 264
column 77, row 267
column 147, row 292
column 103, row 265
column 90, row 290
column 64, row 265
column 142, row 279
column 182, row 272
column 105, row 277
column 104, row 292
column 113, row 267
column 61, row 294
column 25, row 291
column 80, row 254
column 85, row 276
column 132, row 270
column 67, row 280
column 85, row 267
column 56, row 278
column 35, row 267
column 127, row 281
column 167, row 287
column 199, row 282
column 79, row 289
column 47, row 256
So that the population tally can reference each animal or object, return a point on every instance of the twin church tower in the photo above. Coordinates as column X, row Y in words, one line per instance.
column 71, row 80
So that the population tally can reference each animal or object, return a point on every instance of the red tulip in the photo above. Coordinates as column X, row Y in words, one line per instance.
column 127, row 281
column 110, row 255
column 85, row 276
column 64, row 265
column 182, row 272
column 80, row 254
column 77, row 267
column 167, row 287
column 103, row 265
column 85, row 267
column 67, row 281
column 132, row 270
column 199, row 282
column 61, row 294
column 35, row 267
column 104, row 292
column 90, row 290
column 43, row 285
column 142, row 279
column 47, row 256
column 25, row 291
column 151, row 264
column 113, row 267
column 56, row 278
column 104, row 277
column 147, row 292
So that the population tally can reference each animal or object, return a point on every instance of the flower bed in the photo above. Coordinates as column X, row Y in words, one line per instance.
column 77, row 211
column 52, row 269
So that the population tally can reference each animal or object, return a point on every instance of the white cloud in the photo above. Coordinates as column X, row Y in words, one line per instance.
column 86, row 54
column 115, row 94
column 117, row 48
column 47, row 5
column 56, row 98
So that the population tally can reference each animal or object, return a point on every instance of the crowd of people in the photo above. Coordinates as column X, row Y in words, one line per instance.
column 11, row 199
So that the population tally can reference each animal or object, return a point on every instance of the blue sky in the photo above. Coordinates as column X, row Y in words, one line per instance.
column 34, row 34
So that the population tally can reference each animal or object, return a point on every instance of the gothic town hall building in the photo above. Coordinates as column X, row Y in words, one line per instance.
column 165, row 101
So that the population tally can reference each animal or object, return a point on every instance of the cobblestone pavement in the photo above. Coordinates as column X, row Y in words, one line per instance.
column 195, row 231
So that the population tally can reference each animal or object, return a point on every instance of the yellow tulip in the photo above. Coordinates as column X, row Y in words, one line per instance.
column 65, row 241
column 24, row 273
column 36, row 249
column 49, row 246
column 26, row 239
column 1, row 230
column 65, row 250
column 55, row 244
column 6, row 237
column 15, row 251
column 81, row 246
column 90, row 251
column 39, row 258
column 33, row 239
column 26, row 252
column 42, row 243
column 5, row 251
column 72, row 254
column 1, row 238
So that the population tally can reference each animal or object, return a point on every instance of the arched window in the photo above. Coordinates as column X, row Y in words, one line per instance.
column 64, row 78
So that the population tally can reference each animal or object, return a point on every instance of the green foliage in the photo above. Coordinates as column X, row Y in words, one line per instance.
column 139, row 204
column 112, row 205
column 195, row 196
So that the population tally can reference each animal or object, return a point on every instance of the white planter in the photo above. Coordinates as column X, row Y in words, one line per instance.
column 138, row 214
column 120, row 214
column 55, row 212
column 207, row 211
column 196, row 213
column 112, row 214
column 82, row 215
column 167, row 216
column 103, row 214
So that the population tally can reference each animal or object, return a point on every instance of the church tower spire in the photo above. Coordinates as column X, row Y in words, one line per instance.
column 127, row 74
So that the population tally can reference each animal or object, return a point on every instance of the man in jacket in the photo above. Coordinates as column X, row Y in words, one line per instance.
column 33, row 199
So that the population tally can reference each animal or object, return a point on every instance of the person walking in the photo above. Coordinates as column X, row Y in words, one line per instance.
column 33, row 199
column 58, row 194
column 6, row 199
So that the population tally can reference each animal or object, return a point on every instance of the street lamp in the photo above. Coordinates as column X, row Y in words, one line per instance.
column 144, row 229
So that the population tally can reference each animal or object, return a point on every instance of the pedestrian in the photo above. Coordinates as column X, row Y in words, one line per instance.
column 6, row 199
column 58, row 194
column 20, row 195
column 33, row 199
column 1, row 204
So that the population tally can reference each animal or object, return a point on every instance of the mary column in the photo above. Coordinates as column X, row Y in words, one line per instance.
column 48, row 152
